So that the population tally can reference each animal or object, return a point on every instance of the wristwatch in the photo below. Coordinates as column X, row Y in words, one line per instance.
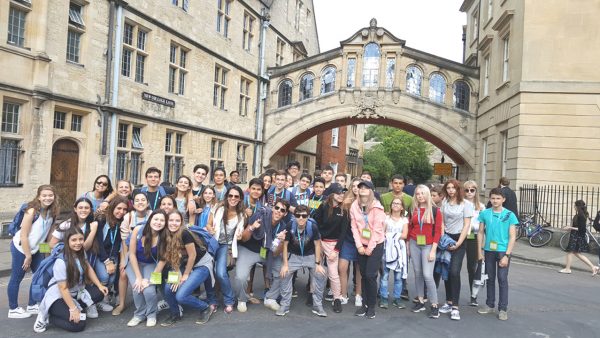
column 507, row 255
column 317, row 262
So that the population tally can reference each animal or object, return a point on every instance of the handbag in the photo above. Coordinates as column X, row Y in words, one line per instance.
column 230, row 259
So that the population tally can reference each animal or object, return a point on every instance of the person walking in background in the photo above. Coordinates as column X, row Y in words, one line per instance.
column 510, row 197
column 577, row 239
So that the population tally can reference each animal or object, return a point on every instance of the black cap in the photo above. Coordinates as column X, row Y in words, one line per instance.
column 366, row 184
column 336, row 188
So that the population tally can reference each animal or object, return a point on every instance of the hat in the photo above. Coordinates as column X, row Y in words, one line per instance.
column 366, row 184
column 336, row 188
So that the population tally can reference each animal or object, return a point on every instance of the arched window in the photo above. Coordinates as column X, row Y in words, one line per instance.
column 328, row 80
column 414, row 78
column 462, row 93
column 371, row 65
column 437, row 88
column 306, row 86
column 285, row 93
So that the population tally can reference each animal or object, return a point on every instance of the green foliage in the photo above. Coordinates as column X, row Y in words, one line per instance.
column 378, row 164
column 408, row 154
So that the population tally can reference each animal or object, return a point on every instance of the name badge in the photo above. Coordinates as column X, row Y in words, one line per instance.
column 421, row 240
column 263, row 252
column 173, row 277
column 366, row 233
column 471, row 235
column 156, row 278
column 44, row 248
column 493, row 245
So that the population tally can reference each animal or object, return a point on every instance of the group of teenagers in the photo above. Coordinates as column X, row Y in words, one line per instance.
column 150, row 239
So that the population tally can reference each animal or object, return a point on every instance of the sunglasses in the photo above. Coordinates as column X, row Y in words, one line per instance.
column 301, row 215
column 471, row 190
column 278, row 208
column 233, row 196
column 105, row 184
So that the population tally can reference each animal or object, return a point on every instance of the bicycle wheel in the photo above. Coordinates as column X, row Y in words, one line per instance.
column 540, row 238
column 520, row 231
column 564, row 240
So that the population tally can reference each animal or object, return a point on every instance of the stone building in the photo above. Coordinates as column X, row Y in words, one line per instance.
column 91, row 87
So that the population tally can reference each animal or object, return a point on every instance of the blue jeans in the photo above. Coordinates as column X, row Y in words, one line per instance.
column 183, row 296
column 103, row 276
column 17, row 274
column 492, row 268
column 222, row 275
column 383, row 288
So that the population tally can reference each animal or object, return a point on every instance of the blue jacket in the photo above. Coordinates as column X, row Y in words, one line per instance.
column 443, row 256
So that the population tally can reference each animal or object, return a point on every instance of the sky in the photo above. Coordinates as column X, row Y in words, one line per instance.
column 432, row 26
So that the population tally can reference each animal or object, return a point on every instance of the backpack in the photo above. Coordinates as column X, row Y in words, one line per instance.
column 161, row 191
column 15, row 225
column 212, row 245
column 434, row 210
column 596, row 223
column 40, row 281
column 308, row 228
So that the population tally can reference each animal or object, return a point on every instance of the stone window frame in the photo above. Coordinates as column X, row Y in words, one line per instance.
column 419, row 90
column 11, row 148
column 216, row 155
column 370, row 76
column 130, row 152
column 174, row 159
column 457, row 92
column 178, row 56
column 303, row 93
column 245, row 97
column 241, row 161
column 248, row 31
column 284, row 93
column 75, row 30
column 280, row 50
column 223, row 17
column 325, row 85
column 220, row 87
column 135, row 46
column 183, row 4
column 437, row 95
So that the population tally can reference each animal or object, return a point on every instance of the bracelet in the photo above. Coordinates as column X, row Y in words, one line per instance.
column 73, row 310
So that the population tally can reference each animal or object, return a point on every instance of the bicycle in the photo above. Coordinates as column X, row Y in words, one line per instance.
column 564, row 239
column 536, row 233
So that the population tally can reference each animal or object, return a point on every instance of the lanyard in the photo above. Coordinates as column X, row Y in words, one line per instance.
column 200, row 188
column 366, row 218
column 301, row 241
column 155, row 200
column 80, row 268
column 248, row 205
column 420, row 220
column 135, row 219
column 45, row 223
column 276, row 230
column 221, row 194
column 152, row 255
column 113, row 236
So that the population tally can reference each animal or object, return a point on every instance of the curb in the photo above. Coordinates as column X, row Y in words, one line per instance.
column 540, row 262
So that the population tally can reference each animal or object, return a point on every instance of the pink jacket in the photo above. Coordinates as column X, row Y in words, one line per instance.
column 376, row 217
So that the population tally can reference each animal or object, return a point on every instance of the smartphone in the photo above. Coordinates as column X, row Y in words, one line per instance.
column 82, row 316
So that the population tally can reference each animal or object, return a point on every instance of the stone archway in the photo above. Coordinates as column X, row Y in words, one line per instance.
column 63, row 171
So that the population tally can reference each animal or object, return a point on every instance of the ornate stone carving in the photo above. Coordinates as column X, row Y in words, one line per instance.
column 463, row 123
column 368, row 106
column 373, row 23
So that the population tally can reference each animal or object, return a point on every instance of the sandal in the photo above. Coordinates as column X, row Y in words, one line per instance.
column 565, row 271
column 252, row 299
column 228, row 309
column 595, row 270
column 118, row 310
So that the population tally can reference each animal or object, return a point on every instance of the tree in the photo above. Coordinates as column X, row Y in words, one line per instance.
column 378, row 164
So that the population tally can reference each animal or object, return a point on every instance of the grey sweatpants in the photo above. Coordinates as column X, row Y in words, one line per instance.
column 423, row 269
column 318, row 280
column 245, row 261
column 275, row 288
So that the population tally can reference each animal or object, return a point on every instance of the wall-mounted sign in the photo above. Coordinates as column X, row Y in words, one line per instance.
column 442, row 169
column 158, row 99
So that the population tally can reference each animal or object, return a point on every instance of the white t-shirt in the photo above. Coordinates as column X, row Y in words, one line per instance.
column 454, row 215
column 39, row 232
column 395, row 227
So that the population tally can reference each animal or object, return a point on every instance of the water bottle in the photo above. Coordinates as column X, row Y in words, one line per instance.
column 275, row 244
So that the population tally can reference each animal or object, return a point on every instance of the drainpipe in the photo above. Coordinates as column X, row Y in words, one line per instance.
column 109, row 56
column 115, row 93
column 261, row 94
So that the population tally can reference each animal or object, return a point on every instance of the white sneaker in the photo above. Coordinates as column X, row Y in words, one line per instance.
column 455, row 314
column 446, row 308
column 40, row 324
column 18, row 313
column 271, row 304
column 344, row 300
column 163, row 305
column 91, row 311
column 241, row 307
column 135, row 321
column 33, row 309
column 358, row 301
column 104, row 306
column 150, row 322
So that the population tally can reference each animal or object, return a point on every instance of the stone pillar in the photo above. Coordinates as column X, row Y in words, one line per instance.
column 359, row 67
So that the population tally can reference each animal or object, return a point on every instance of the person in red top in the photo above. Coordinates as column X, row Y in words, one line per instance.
column 424, row 232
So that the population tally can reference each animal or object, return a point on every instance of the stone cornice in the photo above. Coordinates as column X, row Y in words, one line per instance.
column 466, row 5
column 304, row 63
column 503, row 19
column 441, row 62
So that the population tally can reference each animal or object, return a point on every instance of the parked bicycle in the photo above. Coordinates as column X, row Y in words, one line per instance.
column 537, row 233
column 589, row 237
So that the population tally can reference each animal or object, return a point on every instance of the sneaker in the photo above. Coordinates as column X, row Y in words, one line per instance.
column 361, row 311
column 370, row 313
column 358, row 301
column 241, row 307
column 135, row 321
column 163, row 305
column 329, row 295
column 415, row 300
column 455, row 314
column 485, row 310
column 434, row 312
column 502, row 315
column 446, row 308
column 282, row 311
column 474, row 302
column 104, row 306
column 344, row 300
column 294, row 293
column 398, row 303
column 205, row 316
column 91, row 311
column 418, row 307
column 18, row 313
column 383, row 303
column 404, row 294
column 309, row 301
column 33, row 309
column 151, row 322
column 318, row 310
column 170, row 320
column 271, row 304
column 40, row 324
column 228, row 309
column 337, row 306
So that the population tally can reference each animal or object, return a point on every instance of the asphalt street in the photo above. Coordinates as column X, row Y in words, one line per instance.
column 542, row 303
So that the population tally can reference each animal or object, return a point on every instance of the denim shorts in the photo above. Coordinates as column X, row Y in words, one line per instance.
column 349, row 251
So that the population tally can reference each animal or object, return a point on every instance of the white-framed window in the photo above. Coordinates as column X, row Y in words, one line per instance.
column 223, row 18
column 177, row 69
column 370, row 72
column 335, row 132
column 279, row 52
column 241, row 163
column 174, row 160
column 475, row 19
column 504, row 145
column 351, row 74
column 10, row 145
column 184, row 4
column 220, row 87
column 244, row 96
column 248, row 32
column 484, row 161
column 76, row 29
column 60, row 119
column 486, row 76
column 437, row 88
column 10, row 117
column 129, row 153
column 505, row 58
column 328, row 79
column 134, row 51
column 64, row 119
column 216, row 155
column 76, row 122
column 16, row 26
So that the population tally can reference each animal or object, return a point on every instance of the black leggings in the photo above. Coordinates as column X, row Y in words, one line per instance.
column 59, row 311
column 472, row 261
column 369, row 267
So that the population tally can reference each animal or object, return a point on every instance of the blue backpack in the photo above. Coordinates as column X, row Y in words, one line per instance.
column 15, row 225
column 40, row 282
column 212, row 245
column 308, row 228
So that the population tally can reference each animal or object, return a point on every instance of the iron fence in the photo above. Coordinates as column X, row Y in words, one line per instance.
column 555, row 203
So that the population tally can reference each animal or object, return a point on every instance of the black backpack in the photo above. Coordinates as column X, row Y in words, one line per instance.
column 596, row 223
